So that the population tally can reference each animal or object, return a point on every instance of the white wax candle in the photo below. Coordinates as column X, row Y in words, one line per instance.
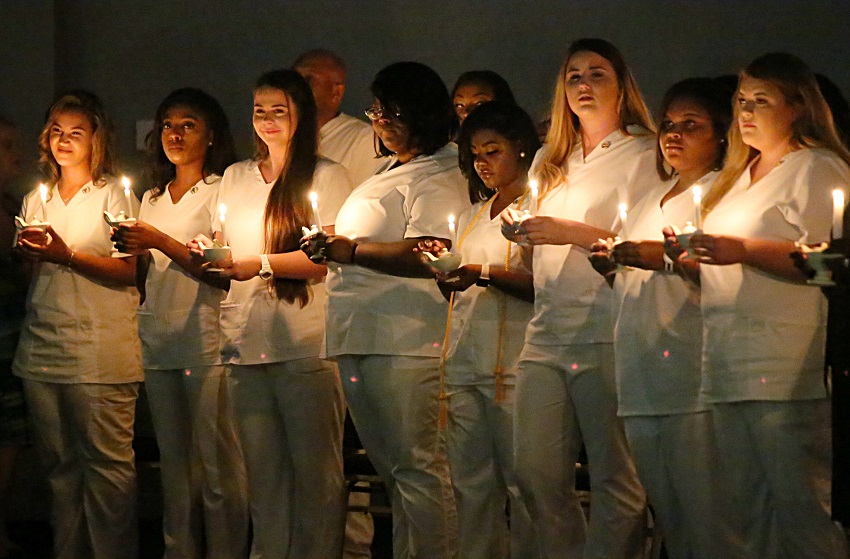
column 126, row 182
column 532, row 206
column 314, row 202
column 837, row 213
column 222, row 213
column 697, row 190
column 452, row 224
column 42, row 190
column 623, row 214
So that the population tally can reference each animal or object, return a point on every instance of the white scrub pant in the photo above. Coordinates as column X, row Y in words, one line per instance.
column 205, row 494
column 84, row 436
column 480, row 449
column 290, row 424
column 394, row 402
column 777, row 460
column 565, row 396
column 677, row 461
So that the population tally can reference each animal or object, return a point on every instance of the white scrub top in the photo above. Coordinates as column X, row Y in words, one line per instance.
column 179, row 320
column 351, row 143
column 764, row 337
column 658, row 325
column 370, row 313
column 77, row 329
column 572, row 302
column 478, row 311
column 257, row 327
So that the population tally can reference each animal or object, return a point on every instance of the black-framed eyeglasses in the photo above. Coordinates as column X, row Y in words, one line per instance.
column 376, row 113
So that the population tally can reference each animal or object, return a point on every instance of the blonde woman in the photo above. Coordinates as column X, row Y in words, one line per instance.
column 765, row 330
column 598, row 149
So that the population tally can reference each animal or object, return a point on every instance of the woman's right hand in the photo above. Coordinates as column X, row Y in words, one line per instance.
column 600, row 259
column 459, row 279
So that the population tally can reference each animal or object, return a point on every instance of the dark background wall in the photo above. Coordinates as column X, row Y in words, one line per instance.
column 133, row 52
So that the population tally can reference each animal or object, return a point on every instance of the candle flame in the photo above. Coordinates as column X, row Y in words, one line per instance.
column 532, row 184
column 42, row 190
column 697, row 190
column 314, row 198
column 126, row 182
column 451, row 220
column 838, row 197
column 222, row 211
column 623, row 210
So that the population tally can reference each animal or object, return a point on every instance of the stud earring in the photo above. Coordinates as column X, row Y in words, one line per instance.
column 522, row 154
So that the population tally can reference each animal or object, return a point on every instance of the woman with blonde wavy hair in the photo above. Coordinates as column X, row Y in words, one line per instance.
column 764, row 330
column 599, row 148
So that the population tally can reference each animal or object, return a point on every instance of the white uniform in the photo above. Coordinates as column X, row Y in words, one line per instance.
column 351, row 143
column 658, row 348
column 387, row 334
column 203, row 474
column 280, row 386
column 764, row 356
column 480, row 430
column 81, row 363
column 565, row 386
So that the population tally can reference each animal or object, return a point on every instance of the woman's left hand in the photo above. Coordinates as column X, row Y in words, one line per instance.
column 45, row 246
column 138, row 237
column 718, row 249
column 460, row 279
column 240, row 269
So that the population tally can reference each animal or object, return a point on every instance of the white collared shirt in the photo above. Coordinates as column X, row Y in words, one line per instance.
column 257, row 327
column 78, row 329
column 572, row 302
column 373, row 313
column 658, row 325
column 764, row 337
column 351, row 143
column 179, row 320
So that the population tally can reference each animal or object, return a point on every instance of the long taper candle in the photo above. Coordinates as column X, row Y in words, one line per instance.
column 697, row 190
column 222, row 213
column 42, row 190
column 837, row 213
column 452, row 224
column 623, row 210
column 314, row 203
column 532, row 206
column 126, row 182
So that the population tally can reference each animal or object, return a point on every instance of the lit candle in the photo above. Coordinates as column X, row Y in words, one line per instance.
column 837, row 213
column 532, row 206
column 452, row 224
column 222, row 212
column 697, row 190
column 623, row 214
column 42, row 190
column 314, row 202
column 126, row 182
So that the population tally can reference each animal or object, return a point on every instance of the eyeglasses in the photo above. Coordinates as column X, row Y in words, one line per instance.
column 376, row 113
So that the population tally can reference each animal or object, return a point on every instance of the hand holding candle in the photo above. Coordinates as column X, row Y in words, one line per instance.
column 837, row 213
column 222, row 213
column 42, row 190
column 126, row 182
column 314, row 202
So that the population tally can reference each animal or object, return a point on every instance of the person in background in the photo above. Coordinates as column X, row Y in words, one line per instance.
column 598, row 156
column 288, row 401
column 204, row 490
column 342, row 138
column 764, row 329
column 389, row 356
column 474, row 88
column 658, row 332
column 79, row 354
column 14, row 435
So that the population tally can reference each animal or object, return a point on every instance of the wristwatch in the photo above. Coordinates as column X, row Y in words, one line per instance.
column 484, row 279
column 266, row 272
column 668, row 264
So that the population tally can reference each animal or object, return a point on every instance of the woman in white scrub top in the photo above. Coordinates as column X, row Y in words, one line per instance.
column 79, row 354
column 386, row 317
column 203, row 476
column 493, row 299
column 288, row 401
column 597, row 153
column 658, row 331
column 764, row 328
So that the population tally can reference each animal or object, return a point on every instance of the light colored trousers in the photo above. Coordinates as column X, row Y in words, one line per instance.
column 394, row 402
column 290, row 424
column 677, row 461
column 205, row 494
column 566, row 396
column 84, row 436
column 777, row 459
column 480, row 448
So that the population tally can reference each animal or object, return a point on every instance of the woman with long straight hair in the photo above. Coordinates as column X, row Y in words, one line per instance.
column 764, row 330
column 598, row 150
column 288, row 401
column 80, row 358
column 203, row 476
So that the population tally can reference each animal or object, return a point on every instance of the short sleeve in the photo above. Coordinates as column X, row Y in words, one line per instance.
column 809, row 207
column 431, row 200
column 332, row 186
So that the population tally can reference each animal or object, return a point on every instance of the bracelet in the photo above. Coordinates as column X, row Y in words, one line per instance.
column 484, row 278
column 70, row 261
column 354, row 252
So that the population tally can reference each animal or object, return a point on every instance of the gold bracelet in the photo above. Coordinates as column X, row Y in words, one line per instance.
column 70, row 262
